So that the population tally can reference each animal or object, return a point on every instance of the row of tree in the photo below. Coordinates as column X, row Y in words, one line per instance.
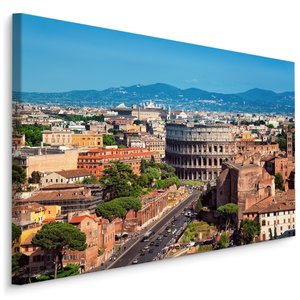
column 33, row 132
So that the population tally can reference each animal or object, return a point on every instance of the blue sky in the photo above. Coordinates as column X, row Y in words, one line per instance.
column 54, row 56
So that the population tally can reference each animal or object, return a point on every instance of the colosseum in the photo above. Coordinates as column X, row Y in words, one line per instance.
column 197, row 151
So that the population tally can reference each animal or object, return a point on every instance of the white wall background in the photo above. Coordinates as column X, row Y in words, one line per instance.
column 268, row 28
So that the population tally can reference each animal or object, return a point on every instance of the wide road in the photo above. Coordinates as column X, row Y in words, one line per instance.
column 141, row 251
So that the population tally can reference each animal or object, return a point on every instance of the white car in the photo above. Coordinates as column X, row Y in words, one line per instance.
column 191, row 244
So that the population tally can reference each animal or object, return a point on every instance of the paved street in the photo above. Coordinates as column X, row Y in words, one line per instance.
column 141, row 251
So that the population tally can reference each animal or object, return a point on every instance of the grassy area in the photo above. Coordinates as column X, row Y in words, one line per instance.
column 192, row 182
column 204, row 248
column 117, row 248
column 197, row 231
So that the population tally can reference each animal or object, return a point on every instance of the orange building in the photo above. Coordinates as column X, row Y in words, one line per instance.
column 95, row 160
column 87, row 139
column 68, row 138
column 100, row 240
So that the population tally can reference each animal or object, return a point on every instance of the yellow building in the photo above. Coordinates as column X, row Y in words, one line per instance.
column 52, row 211
column 87, row 139
column 68, row 138
column 26, row 236
column 247, row 136
column 29, row 214
column 136, row 128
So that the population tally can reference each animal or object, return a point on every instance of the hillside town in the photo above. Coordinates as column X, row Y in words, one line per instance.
column 100, row 188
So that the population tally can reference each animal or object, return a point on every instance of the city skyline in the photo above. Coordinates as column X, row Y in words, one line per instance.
column 59, row 56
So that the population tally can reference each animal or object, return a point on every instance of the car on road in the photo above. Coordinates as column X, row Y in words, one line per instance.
column 157, row 243
column 169, row 230
column 146, row 247
column 135, row 261
column 190, row 244
column 174, row 231
column 151, row 244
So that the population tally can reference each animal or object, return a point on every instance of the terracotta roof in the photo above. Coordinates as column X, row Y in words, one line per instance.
column 257, row 207
column 270, row 205
column 64, row 186
column 79, row 219
column 32, row 207
column 49, row 220
column 289, row 195
column 73, row 173
column 115, row 156
column 59, row 195
column 279, row 206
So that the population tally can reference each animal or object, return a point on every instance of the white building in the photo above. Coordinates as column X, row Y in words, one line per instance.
column 65, row 177
column 276, row 218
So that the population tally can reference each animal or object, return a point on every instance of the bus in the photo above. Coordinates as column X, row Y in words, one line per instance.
column 147, row 236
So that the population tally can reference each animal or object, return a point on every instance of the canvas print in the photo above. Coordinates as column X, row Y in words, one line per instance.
column 129, row 149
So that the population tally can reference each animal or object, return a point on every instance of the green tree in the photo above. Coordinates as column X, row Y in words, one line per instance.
column 143, row 180
column 249, row 229
column 16, row 232
column 90, row 180
column 33, row 133
column 110, row 210
column 127, row 203
column 119, row 180
column 271, row 234
column 282, row 143
column 35, row 177
column 152, row 161
column 18, row 174
column 279, row 182
column 109, row 140
column 153, row 174
column 228, row 211
column 223, row 242
column 58, row 237
column 143, row 165
column 275, row 233
column 199, row 204
column 19, row 262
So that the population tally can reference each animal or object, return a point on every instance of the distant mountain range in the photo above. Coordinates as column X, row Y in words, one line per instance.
column 254, row 100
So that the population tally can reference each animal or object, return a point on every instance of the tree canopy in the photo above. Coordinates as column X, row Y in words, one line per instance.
column 158, row 175
column 223, row 242
column 33, row 133
column 279, row 182
column 249, row 230
column 90, row 180
column 35, row 177
column 58, row 237
column 227, row 211
column 119, row 180
column 199, row 204
column 110, row 210
column 16, row 231
column 18, row 174
column 118, row 207
column 109, row 140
